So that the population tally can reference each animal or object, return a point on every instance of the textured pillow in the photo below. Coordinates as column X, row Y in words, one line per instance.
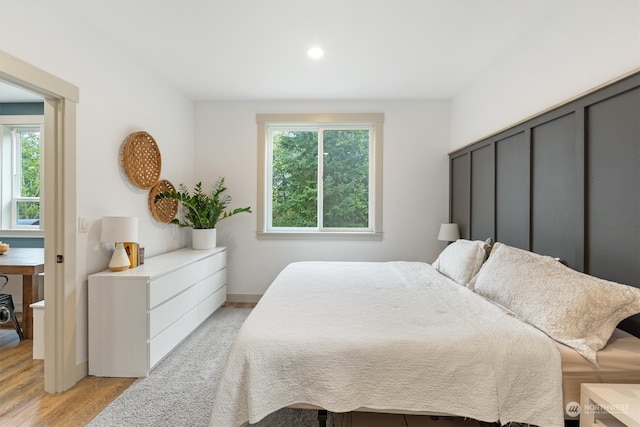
column 461, row 260
column 488, row 245
column 573, row 308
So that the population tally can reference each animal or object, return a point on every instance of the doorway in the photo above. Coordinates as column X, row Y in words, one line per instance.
column 59, row 207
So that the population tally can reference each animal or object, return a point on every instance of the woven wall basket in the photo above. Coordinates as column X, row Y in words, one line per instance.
column 166, row 209
column 141, row 160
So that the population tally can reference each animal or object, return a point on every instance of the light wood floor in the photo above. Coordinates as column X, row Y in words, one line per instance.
column 23, row 401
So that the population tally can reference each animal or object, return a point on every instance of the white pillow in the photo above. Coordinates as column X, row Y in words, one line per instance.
column 573, row 308
column 461, row 260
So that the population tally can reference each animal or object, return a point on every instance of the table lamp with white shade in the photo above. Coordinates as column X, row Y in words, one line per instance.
column 449, row 232
column 117, row 230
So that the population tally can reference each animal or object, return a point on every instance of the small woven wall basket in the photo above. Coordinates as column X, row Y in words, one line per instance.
column 166, row 209
column 141, row 160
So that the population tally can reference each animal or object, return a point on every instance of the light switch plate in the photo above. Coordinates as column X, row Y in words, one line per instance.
column 83, row 224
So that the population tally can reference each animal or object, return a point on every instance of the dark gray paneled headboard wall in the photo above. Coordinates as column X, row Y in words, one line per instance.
column 565, row 183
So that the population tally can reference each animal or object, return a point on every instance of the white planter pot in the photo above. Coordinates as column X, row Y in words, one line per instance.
column 203, row 238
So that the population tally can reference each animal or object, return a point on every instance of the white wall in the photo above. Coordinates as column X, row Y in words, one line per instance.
column 117, row 97
column 583, row 45
column 415, row 185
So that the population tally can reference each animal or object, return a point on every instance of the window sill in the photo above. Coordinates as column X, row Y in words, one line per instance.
column 318, row 235
column 20, row 233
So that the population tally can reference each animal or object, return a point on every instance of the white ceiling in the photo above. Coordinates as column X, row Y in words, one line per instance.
column 255, row 49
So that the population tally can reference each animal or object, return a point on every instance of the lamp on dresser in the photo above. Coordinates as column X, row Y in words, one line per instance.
column 449, row 232
column 117, row 230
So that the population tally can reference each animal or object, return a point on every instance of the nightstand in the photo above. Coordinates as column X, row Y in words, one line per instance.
column 610, row 405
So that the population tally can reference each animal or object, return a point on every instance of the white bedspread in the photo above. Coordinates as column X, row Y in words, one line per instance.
column 394, row 336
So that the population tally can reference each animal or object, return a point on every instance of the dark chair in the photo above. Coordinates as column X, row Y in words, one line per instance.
column 7, row 310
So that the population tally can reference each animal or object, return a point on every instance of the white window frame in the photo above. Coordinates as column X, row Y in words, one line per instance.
column 10, row 185
column 373, row 121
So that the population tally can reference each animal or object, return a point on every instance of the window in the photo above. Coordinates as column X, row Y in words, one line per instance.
column 320, row 174
column 26, row 185
column 21, row 172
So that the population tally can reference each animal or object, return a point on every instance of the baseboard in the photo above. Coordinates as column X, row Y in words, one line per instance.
column 244, row 297
column 82, row 370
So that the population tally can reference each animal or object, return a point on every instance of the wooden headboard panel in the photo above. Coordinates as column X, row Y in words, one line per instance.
column 565, row 183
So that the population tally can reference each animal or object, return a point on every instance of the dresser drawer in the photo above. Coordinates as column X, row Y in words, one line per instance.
column 210, row 284
column 162, row 344
column 212, row 303
column 210, row 265
column 172, row 310
column 164, row 287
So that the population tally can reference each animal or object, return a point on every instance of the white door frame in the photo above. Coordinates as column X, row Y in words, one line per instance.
column 61, row 371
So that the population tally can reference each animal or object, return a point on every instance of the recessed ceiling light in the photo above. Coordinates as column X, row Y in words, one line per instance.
column 315, row 52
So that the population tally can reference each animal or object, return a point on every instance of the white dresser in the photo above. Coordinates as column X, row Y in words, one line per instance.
column 136, row 317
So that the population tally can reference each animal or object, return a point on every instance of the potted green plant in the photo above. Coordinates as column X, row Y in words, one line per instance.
column 201, row 211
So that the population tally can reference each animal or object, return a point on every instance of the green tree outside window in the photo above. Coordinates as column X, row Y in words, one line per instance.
column 30, row 175
column 345, row 179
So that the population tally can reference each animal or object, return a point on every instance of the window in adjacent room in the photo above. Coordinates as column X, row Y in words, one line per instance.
column 21, row 172
column 321, row 174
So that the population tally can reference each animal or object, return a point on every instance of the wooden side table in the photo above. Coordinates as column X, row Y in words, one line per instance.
column 27, row 262
column 610, row 405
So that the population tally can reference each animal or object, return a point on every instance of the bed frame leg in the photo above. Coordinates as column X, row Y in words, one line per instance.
column 322, row 417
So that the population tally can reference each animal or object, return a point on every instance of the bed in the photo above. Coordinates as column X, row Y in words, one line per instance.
column 462, row 336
